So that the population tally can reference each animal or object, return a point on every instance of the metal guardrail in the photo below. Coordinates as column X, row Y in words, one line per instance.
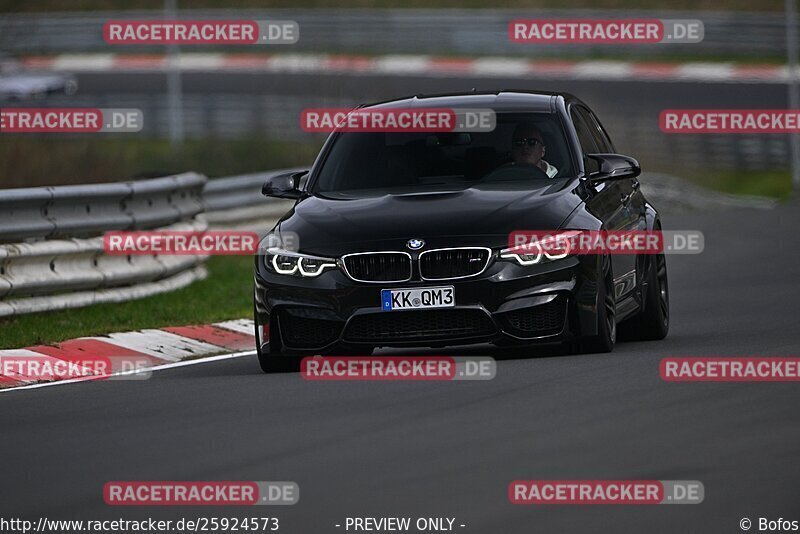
column 84, row 210
column 238, row 191
column 58, row 259
column 399, row 31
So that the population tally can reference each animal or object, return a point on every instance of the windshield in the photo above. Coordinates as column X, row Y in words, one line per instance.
column 523, row 147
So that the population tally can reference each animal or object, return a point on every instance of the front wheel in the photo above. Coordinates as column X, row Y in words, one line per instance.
column 652, row 323
column 272, row 360
column 606, row 336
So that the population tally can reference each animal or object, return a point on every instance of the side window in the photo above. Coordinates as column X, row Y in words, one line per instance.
column 600, row 138
column 586, row 139
column 604, row 134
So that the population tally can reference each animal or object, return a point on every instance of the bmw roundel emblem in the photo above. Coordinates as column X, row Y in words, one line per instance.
column 415, row 244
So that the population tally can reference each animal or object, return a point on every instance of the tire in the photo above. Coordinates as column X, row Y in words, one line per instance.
column 606, row 336
column 652, row 323
column 273, row 360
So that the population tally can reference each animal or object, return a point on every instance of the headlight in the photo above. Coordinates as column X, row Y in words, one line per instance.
column 293, row 263
column 546, row 246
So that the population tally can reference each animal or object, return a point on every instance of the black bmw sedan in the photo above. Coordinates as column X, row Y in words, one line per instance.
column 402, row 238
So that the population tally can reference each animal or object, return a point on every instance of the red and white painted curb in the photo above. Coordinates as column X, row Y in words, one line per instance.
column 421, row 65
column 157, row 347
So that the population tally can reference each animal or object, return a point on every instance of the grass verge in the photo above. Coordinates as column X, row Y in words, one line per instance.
column 225, row 294
column 770, row 183
column 27, row 162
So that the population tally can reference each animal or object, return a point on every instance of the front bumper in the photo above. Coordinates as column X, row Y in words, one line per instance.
column 507, row 304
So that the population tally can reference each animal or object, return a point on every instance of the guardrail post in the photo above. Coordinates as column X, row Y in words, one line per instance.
column 794, row 94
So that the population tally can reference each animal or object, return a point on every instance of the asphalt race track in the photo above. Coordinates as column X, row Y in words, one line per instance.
column 450, row 449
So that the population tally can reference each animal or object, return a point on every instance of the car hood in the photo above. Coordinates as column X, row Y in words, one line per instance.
column 480, row 215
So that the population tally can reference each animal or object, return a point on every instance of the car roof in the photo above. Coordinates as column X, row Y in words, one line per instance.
column 502, row 100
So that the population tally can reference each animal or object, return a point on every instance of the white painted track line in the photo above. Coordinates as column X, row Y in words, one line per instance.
column 186, row 363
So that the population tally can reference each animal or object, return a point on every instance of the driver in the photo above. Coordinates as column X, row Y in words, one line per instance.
column 527, row 149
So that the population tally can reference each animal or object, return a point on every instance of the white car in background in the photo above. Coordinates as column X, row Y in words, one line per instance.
column 18, row 83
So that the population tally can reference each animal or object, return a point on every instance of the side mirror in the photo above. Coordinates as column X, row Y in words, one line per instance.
column 614, row 167
column 283, row 185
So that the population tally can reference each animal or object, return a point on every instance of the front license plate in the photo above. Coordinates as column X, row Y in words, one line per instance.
column 425, row 297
